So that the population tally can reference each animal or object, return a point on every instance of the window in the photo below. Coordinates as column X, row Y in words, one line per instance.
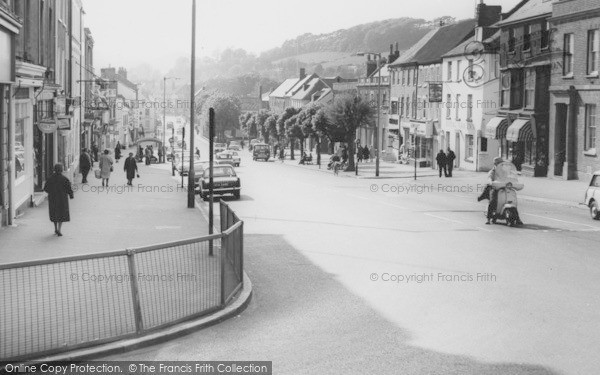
column 448, row 105
column 545, row 35
column 593, row 51
column 384, row 99
column 568, row 55
column 527, row 38
column 449, row 70
column 20, row 156
column 401, row 106
column 470, row 72
column 415, row 77
column 424, row 108
column 407, row 107
column 458, row 73
column 470, row 108
column 408, row 77
column 590, row 127
column 403, row 77
column 529, row 88
column 469, row 146
column 511, row 40
column 483, row 144
column 457, row 115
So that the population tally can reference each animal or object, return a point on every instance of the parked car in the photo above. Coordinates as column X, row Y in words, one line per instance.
column 261, row 151
column 183, row 167
column 592, row 196
column 235, row 156
column 225, row 181
column 234, row 147
column 199, row 168
column 219, row 147
column 224, row 158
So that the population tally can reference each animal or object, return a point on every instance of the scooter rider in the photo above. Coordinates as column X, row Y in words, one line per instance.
column 493, row 194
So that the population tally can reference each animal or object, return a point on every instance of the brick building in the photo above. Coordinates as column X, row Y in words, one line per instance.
column 575, row 88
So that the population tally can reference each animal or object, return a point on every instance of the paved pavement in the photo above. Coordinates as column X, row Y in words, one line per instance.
column 153, row 211
column 321, row 250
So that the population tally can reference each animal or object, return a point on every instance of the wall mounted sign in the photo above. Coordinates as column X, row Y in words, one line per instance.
column 47, row 126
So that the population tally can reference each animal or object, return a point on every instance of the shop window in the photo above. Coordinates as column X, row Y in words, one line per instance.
column 505, row 94
column 593, row 51
column 590, row 127
column 20, row 156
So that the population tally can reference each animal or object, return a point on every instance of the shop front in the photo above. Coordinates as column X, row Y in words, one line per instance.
column 421, row 140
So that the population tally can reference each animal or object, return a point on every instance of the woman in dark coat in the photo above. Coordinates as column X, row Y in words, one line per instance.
column 118, row 152
column 130, row 168
column 58, row 188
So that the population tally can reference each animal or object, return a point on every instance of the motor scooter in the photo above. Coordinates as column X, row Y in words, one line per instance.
column 506, row 186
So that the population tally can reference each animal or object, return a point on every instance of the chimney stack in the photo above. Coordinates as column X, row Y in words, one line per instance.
column 302, row 73
column 487, row 15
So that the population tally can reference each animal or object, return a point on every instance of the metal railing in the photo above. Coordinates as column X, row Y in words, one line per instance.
column 56, row 305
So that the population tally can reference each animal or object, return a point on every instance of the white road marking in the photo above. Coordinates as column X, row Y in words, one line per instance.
column 166, row 227
column 561, row 221
column 375, row 201
column 445, row 218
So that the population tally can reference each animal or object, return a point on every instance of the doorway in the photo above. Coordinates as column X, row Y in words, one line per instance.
column 457, row 149
column 560, row 138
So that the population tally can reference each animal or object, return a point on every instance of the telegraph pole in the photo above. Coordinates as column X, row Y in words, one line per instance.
column 191, row 184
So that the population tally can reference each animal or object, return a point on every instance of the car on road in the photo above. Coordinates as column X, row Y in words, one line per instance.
column 592, row 196
column 224, row 158
column 261, row 151
column 235, row 156
column 225, row 181
column 183, row 167
column 234, row 147
column 219, row 147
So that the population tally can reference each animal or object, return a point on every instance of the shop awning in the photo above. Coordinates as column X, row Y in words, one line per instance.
column 520, row 131
column 496, row 128
column 422, row 129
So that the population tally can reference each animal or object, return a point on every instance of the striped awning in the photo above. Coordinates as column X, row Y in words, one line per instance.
column 520, row 131
column 496, row 128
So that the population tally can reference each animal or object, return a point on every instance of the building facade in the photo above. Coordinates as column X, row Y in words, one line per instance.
column 526, row 55
column 575, row 89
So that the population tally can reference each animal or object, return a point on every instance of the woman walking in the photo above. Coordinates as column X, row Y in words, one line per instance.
column 118, row 152
column 105, row 167
column 58, row 188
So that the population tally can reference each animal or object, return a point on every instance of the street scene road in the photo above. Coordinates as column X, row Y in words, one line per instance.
column 395, row 275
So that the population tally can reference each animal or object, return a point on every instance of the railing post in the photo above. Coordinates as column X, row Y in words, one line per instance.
column 135, row 292
column 241, row 252
column 224, row 243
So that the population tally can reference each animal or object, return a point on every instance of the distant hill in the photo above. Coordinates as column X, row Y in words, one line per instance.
column 374, row 36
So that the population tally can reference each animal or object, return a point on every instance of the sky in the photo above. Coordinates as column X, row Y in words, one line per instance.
column 131, row 32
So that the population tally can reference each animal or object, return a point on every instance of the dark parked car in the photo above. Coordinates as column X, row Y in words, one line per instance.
column 225, row 181
column 261, row 151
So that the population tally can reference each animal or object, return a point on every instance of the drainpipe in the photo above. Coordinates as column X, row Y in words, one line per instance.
column 10, row 163
column 572, row 135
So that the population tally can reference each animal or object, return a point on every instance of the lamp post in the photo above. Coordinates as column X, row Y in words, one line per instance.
column 377, row 129
column 191, row 183
column 165, row 116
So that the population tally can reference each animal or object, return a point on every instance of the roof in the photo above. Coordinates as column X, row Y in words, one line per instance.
column 307, row 88
column 407, row 56
column 528, row 10
column 282, row 89
column 489, row 36
column 385, row 72
column 444, row 40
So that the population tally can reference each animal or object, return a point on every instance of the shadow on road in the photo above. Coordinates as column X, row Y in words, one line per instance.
column 307, row 322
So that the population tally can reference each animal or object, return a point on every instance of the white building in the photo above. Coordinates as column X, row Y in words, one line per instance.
column 470, row 94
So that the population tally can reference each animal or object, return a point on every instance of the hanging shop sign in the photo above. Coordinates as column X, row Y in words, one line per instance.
column 47, row 126
column 63, row 123
column 435, row 92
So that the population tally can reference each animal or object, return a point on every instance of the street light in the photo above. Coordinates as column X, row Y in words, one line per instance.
column 165, row 116
column 377, row 130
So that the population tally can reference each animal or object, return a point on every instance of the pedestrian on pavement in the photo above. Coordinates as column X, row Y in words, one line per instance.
column 198, row 152
column 344, row 154
column 450, row 156
column 85, row 163
column 89, row 152
column 160, row 154
column 148, row 155
column 118, row 152
column 130, row 169
column 359, row 153
column 441, row 162
column 242, row 143
column 95, row 151
column 106, row 167
column 58, row 188
column 366, row 154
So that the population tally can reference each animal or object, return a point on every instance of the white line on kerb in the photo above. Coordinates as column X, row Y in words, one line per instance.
column 562, row 221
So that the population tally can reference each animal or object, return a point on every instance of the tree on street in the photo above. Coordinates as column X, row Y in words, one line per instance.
column 287, row 114
column 227, row 112
column 346, row 114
